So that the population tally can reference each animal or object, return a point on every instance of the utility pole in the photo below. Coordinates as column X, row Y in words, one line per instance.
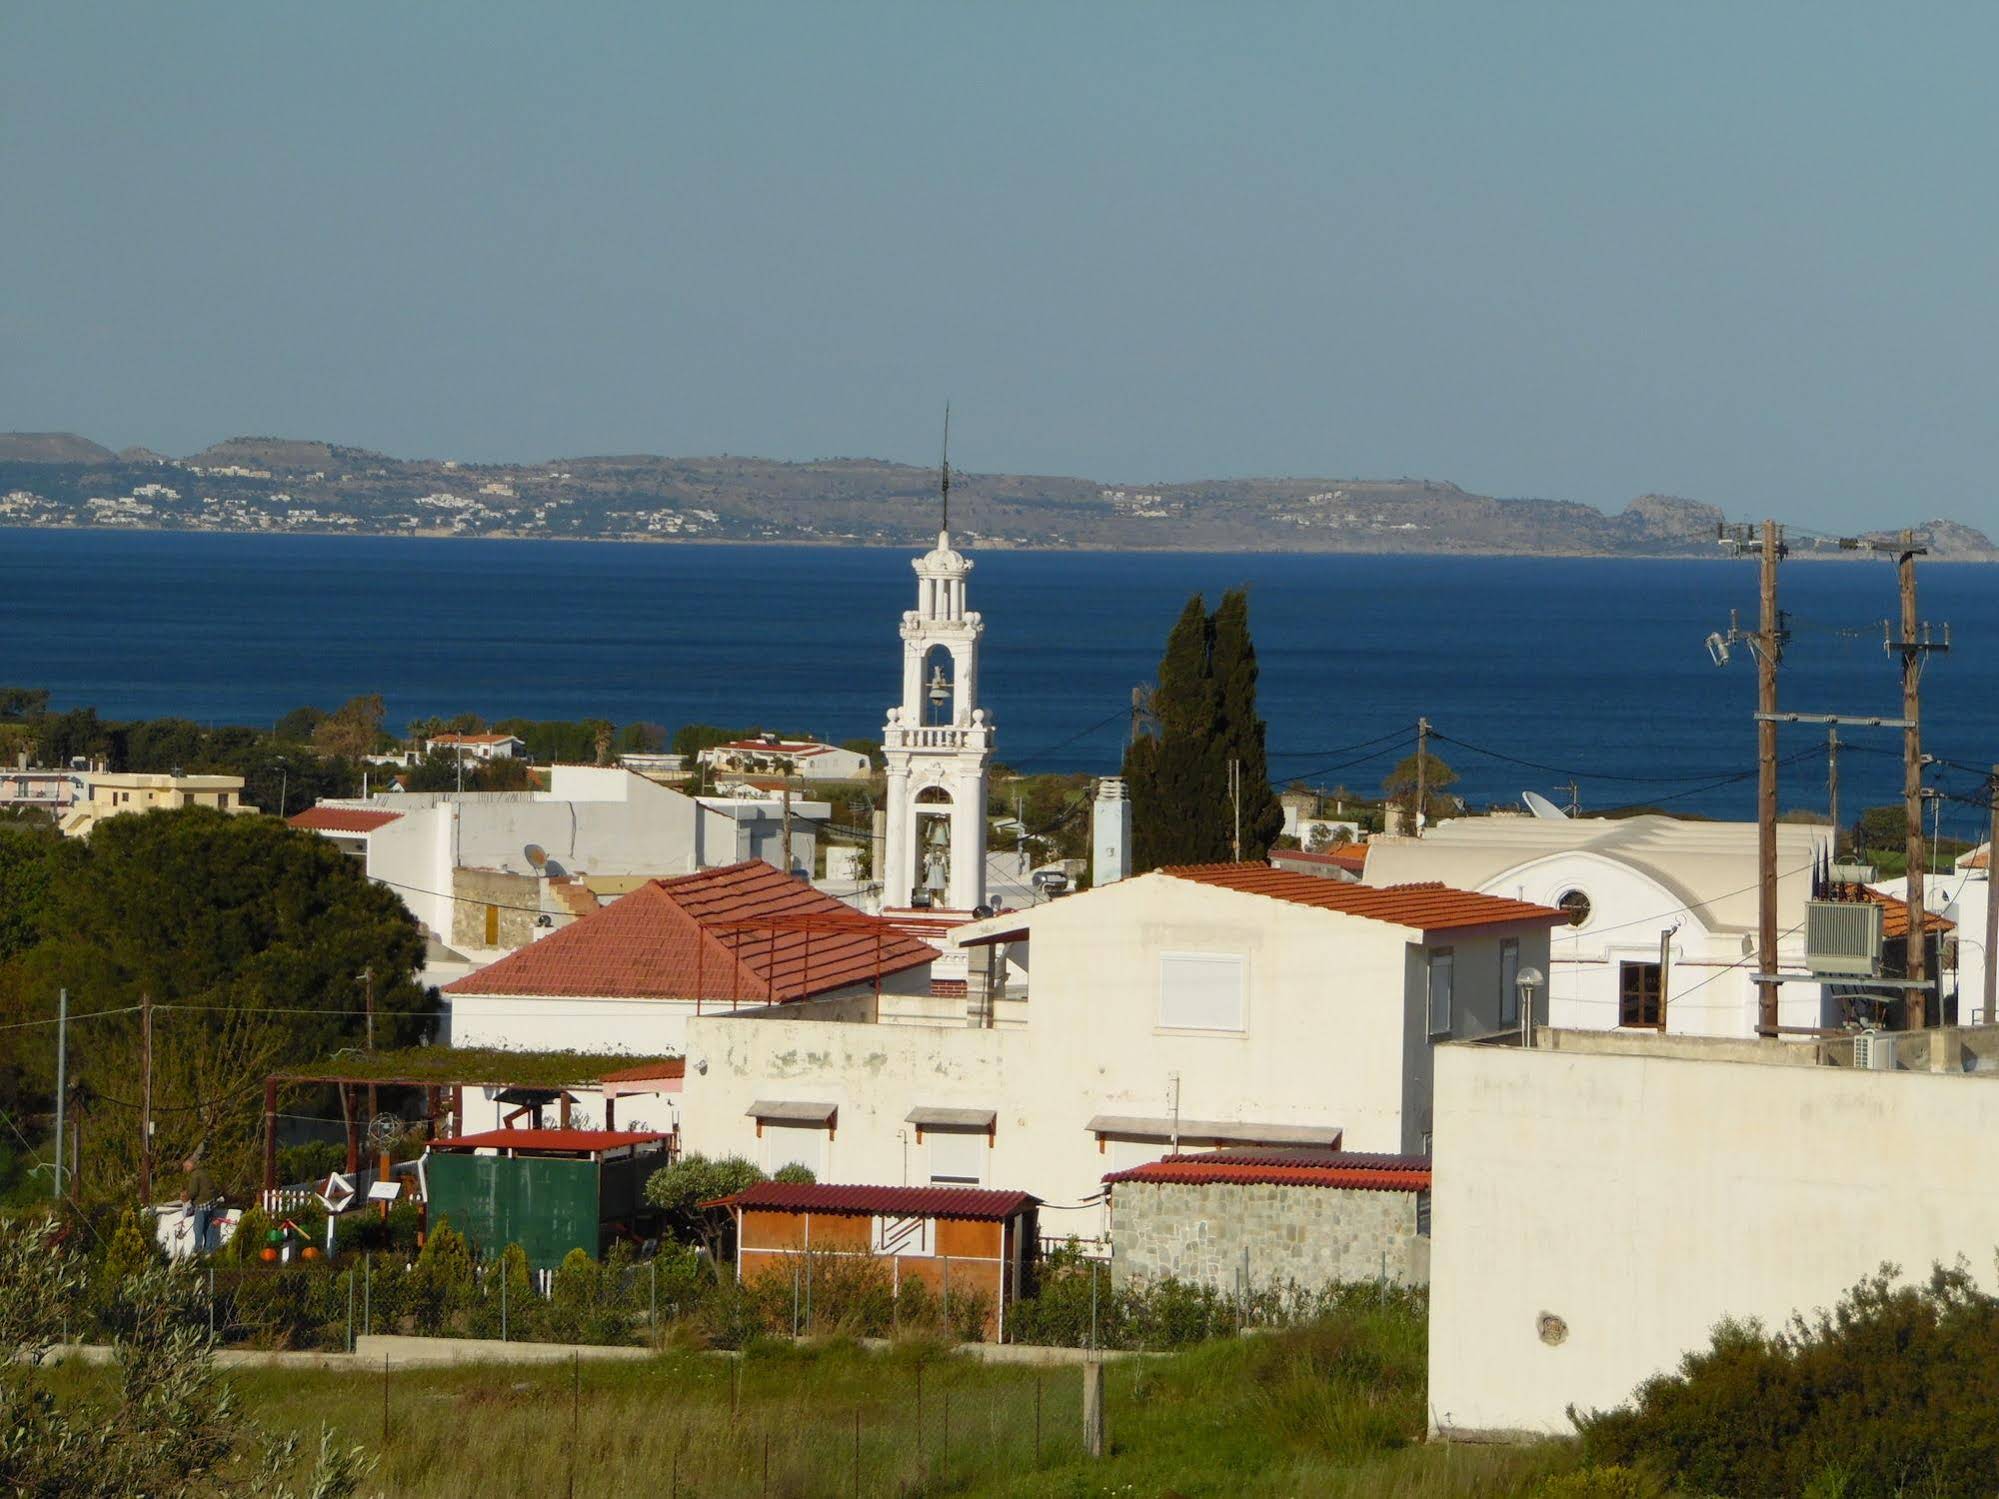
column 368, row 992
column 1991, row 905
column 146, row 1100
column 1422, row 776
column 787, row 824
column 1914, row 646
column 62, row 1078
column 1832, row 781
column 1767, row 645
column 1575, row 797
column 1235, row 799
column 1771, row 632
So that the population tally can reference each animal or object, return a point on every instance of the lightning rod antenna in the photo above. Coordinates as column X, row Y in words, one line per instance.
column 944, row 483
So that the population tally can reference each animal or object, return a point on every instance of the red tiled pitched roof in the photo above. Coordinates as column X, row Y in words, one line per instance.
column 340, row 820
column 893, row 1202
column 1354, row 1170
column 747, row 932
column 1427, row 907
column 1349, row 856
column 1895, row 912
column 549, row 1139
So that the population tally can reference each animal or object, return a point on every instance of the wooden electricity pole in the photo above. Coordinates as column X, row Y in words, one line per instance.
column 1912, row 652
column 1770, row 644
column 145, row 1100
column 1422, row 776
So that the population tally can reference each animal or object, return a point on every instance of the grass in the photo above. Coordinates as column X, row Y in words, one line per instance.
column 1334, row 1409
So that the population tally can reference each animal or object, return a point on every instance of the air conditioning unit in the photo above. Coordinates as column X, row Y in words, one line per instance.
column 1874, row 1051
column 1843, row 938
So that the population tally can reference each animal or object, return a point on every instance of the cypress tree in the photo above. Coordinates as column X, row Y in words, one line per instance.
column 1239, row 732
column 1205, row 707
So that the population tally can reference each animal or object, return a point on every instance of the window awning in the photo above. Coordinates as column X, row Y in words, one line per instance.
column 1232, row 1132
column 791, row 1111
column 994, row 939
column 929, row 1118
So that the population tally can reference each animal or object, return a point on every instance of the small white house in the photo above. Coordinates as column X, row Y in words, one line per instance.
column 1217, row 1005
column 1661, row 915
column 770, row 755
column 477, row 746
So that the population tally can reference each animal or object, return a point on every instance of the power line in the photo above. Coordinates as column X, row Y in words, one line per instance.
column 1586, row 775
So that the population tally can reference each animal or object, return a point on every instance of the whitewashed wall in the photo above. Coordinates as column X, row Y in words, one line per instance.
column 1642, row 1198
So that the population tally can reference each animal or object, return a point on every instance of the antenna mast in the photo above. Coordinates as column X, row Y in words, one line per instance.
column 944, row 484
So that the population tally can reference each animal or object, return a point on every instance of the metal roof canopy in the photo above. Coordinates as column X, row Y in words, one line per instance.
column 973, row 1119
column 791, row 1111
column 1167, row 1128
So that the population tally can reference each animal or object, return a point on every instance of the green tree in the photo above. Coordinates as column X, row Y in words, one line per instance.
column 62, row 737
column 299, row 725
column 172, row 1428
column 1400, row 788
column 353, row 729
column 680, row 1189
column 23, row 702
column 1204, row 709
column 249, row 937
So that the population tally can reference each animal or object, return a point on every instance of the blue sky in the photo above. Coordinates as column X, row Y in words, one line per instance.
column 1741, row 253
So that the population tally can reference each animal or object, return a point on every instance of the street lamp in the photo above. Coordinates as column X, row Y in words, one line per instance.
column 1527, row 981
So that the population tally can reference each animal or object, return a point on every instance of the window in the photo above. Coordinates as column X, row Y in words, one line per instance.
column 957, row 1157
column 1638, row 999
column 1442, row 962
column 1509, row 981
column 1201, row 992
column 1576, row 904
column 794, row 1145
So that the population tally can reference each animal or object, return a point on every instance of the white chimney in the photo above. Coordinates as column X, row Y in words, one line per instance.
column 1110, row 832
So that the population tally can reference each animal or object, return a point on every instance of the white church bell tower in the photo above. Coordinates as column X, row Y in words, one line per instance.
column 938, row 742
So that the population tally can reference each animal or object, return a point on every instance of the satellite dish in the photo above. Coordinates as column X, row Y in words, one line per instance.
column 537, row 855
column 1542, row 808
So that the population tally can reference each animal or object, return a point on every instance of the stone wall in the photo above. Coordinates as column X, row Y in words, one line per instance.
column 516, row 898
column 1310, row 1235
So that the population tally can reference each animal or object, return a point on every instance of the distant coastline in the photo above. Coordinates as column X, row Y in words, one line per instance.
column 282, row 486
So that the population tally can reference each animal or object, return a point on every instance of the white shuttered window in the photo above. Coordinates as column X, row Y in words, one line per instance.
column 1202, row 992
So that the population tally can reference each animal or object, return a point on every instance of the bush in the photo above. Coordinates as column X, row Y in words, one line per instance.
column 1889, row 1393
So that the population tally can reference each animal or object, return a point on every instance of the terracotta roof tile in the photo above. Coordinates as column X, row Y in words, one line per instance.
column 1354, row 1170
column 1349, row 856
column 1427, row 907
column 341, row 820
column 1894, row 912
column 896, row 1202
column 747, row 933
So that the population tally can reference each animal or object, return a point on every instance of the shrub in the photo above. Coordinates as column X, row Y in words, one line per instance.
column 443, row 1283
column 1890, row 1392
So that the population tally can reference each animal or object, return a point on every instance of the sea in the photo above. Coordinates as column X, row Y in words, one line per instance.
column 1533, row 672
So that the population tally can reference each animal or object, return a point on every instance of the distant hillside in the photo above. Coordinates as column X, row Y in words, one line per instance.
column 51, row 447
column 287, row 484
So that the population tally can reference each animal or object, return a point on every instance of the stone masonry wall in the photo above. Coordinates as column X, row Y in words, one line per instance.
column 1310, row 1235
column 517, row 896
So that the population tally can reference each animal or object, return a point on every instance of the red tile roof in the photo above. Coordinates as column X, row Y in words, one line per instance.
column 889, row 1202
column 341, row 820
column 539, row 1140
column 1428, row 907
column 1351, row 856
column 1894, row 912
column 645, row 1072
column 748, row 933
column 1354, row 1170
column 475, row 738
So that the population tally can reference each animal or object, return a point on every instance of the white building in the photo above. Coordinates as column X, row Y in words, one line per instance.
column 937, row 745
column 628, row 978
column 479, row 869
column 1225, row 1004
column 477, row 746
column 1633, row 887
column 768, row 755
column 1599, row 1210
column 1958, row 896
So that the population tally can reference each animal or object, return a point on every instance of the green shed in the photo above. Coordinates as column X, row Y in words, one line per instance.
column 547, row 1190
